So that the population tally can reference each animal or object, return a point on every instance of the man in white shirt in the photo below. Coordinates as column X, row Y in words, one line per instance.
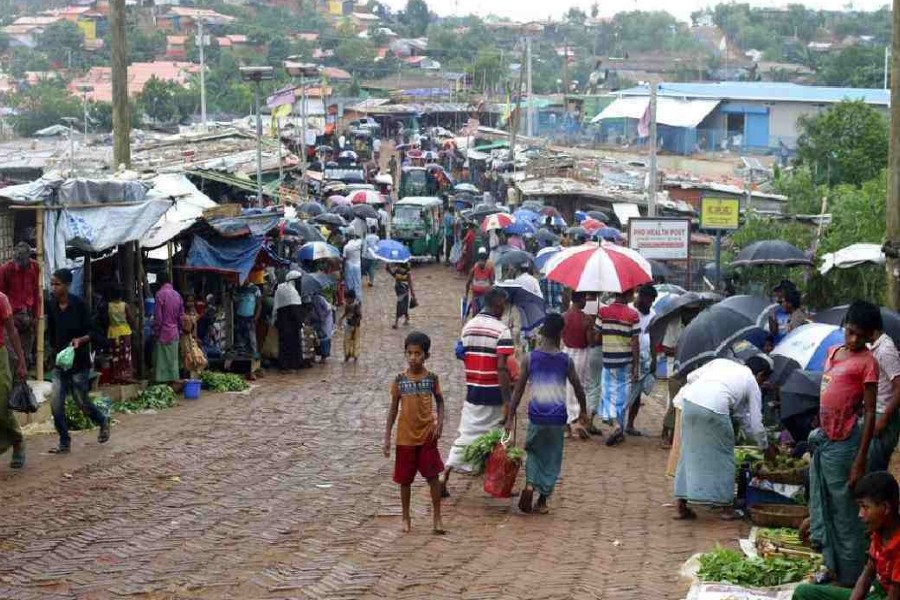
column 643, row 304
column 887, row 401
column 715, row 393
column 353, row 264
column 376, row 149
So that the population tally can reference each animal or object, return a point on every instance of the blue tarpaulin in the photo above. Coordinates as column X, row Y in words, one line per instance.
column 236, row 256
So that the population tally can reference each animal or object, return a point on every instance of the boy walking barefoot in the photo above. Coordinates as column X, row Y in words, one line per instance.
column 878, row 498
column 418, row 429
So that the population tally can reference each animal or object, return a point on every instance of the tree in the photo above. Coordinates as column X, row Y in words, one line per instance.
column 42, row 105
column 595, row 10
column 60, row 41
column 166, row 101
column 848, row 143
column 416, row 18
column 855, row 66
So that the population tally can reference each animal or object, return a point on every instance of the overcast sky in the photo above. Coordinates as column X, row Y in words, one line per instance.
column 526, row 10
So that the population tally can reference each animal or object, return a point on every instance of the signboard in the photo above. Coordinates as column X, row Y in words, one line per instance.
column 719, row 213
column 660, row 238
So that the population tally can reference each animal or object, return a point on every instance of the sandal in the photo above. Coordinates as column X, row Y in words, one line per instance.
column 525, row 499
column 60, row 450
column 103, row 436
column 615, row 439
column 18, row 460
column 687, row 515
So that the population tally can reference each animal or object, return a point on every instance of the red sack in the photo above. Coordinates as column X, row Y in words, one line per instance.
column 500, row 473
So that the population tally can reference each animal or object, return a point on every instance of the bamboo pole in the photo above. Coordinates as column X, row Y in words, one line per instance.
column 42, row 320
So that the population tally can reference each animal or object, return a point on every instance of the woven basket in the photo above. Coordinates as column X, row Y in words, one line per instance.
column 788, row 477
column 778, row 515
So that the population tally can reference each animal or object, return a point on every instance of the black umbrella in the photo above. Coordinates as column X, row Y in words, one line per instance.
column 599, row 215
column 313, row 283
column 576, row 232
column 835, row 316
column 324, row 149
column 546, row 237
column 800, row 393
column 672, row 307
column 342, row 210
column 533, row 205
column 483, row 210
column 660, row 270
column 330, row 219
column 310, row 209
column 306, row 231
column 771, row 252
column 515, row 258
column 708, row 271
column 364, row 211
column 715, row 329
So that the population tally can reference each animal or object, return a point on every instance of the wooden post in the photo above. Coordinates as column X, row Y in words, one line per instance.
column 42, row 321
column 138, row 347
column 892, row 208
column 121, row 121
column 88, row 272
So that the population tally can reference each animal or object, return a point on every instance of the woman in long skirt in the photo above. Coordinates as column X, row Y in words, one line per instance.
column 288, row 321
column 403, row 287
column 119, row 336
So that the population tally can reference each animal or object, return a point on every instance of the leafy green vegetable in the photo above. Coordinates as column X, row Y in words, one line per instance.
column 223, row 382
column 75, row 418
column 155, row 397
column 476, row 453
column 515, row 454
column 728, row 566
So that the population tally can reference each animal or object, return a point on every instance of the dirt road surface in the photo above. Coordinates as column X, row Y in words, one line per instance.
column 283, row 493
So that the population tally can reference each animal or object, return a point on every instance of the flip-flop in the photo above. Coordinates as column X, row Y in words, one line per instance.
column 525, row 499
column 616, row 439
column 60, row 450
column 18, row 461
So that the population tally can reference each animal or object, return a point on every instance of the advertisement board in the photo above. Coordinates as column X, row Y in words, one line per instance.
column 660, row 238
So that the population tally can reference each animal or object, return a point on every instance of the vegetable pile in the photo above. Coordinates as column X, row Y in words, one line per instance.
column 477, row 453
column 728, row 566
column 155, row 397
column 781, row 537
column 223, row 382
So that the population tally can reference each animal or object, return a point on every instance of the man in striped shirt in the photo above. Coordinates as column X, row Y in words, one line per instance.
column 488, row 346
column 618, row 326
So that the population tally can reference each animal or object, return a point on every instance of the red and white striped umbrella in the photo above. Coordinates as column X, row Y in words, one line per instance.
column 591, row 225
column 365, row 197
column 497, row 221
column 599, row 268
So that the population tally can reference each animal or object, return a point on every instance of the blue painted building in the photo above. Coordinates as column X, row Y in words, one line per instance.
column 758, row 117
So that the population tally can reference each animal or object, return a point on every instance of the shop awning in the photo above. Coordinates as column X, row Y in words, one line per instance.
column 673, row 112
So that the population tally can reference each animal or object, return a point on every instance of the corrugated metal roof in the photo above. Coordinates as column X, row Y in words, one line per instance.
column 765, row 92
column 673, row 112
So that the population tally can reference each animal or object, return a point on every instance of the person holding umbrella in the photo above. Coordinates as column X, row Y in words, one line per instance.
column 403, row 288
column 353, row 263
column 617, row 327
column 288, row 320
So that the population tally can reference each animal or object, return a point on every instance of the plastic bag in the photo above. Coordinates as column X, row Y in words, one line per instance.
column 66, row 358
column 500, row 473
column 21, row 398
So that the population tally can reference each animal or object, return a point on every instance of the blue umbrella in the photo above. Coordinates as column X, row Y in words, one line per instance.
column 523, row 214
column 610, row 234
column 392, row 251
column 532, row 308
column 544, row 256
column 580, row 216
column 805, row 348
column 317, row 251
column 520, row 228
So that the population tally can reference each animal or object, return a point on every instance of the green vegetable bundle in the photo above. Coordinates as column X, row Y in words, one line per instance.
column 223, row 382
column 476, row 453
column 728, row 566
column 75, row 418
column 155, row 397
column 781, row 536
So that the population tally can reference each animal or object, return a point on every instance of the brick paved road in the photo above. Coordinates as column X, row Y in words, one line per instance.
column 283, row 493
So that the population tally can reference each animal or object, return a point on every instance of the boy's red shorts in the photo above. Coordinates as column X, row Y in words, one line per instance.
column 425, row 459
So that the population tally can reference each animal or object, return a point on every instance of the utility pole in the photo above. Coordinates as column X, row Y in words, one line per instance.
column 529, row 88
column 201, row 42
column 121, row 122
column 887, row 54
column 651, row 189
column 565, row 67
column 892, row 210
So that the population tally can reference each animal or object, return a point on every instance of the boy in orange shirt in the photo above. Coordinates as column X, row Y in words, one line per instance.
column 419, row 429
column 878, row 497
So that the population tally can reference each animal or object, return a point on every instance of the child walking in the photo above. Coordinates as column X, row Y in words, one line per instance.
column 418, row 429
column 549, row 370
column 352, row 318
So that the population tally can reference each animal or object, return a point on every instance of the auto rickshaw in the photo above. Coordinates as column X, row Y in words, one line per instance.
column 416, row 222
column 362, row 143
column 413, row 182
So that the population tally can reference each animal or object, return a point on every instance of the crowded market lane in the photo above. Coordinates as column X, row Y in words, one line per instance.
column 283, row 492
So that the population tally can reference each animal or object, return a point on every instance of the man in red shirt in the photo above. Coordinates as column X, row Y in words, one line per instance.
column 20, row 281
column 841, row 445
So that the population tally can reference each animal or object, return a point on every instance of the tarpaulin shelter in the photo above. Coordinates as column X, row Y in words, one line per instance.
column 188, row 206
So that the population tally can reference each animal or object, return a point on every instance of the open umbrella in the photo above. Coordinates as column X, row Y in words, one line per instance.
column 835, row 316
column 364, row 211
column 314, row 283
column 349, row 155
column 484, row 210
column 574, row 232
column 520, row 228
column 660, row 270
column 671, row 288
column 549, row 211
column 310, row 209
column 497, row 221
column 324, row 148
column 771, row 252
column 523, row 214
column 392, row 251
column 304, row 230
column 343, row 211
column 591, row 225
column 532, row 308
column 533, row 205
column 330, row 219
column 599, row 215
column 580, row 216
column 317, row 251
column 544, row 255
column 715, row 329
column 610, row 234
column 365, row 197
column 670, row 307
column 799, row 393
column 515, row 258
column 547, row 237
column 337, row 200
column 806, row 347
column 552, row 221
column 599, row 268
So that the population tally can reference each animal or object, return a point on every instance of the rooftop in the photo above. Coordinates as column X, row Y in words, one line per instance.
column 765, row 92
column 100, row 78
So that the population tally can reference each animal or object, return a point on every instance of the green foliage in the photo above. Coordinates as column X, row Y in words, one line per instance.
column 42, row 105
column 223, row 382
column 25, row 59
column 729, row 566
column 61, row 40
column 416, row 18
column 804, row 197
column 143, row 46
column 856, row 66
column 155, row 397
column 848, row 143
column 166, row 101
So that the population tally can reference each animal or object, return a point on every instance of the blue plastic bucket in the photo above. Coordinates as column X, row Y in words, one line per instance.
column 192, row 389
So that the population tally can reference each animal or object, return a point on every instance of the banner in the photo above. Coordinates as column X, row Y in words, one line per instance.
column 660, row 238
